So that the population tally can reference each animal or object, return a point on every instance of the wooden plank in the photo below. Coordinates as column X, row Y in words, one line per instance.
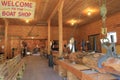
column 62, row 71
column 80, row 67
column 94, row 75
column 11, row 68
column 71, row 76
column 69, row 67
column 15, row 71
column 111, row 65
column 84, row 73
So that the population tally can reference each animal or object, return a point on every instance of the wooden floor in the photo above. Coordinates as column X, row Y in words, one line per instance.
column 37, row 69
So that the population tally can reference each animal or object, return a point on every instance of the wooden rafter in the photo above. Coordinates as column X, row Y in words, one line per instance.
column 55, row 9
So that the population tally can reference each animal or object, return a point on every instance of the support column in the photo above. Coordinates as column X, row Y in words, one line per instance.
column 60, row 15
column 49, row 36
column 6, row 38
column 19, row 46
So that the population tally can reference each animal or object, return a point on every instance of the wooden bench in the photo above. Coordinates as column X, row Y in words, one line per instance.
column 12, row 69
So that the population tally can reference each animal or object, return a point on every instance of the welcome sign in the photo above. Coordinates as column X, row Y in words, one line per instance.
column 17, row 9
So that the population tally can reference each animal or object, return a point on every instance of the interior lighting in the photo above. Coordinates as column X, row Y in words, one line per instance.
column 27, row 21
column 72, row 22
column 89, row 13
column 32, row 37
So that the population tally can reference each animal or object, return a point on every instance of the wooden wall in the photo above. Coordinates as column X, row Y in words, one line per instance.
column 17, row 33
column 67, row 33
column 82, row 32
column 42, row 31
column 23, row 31
column 112, row 24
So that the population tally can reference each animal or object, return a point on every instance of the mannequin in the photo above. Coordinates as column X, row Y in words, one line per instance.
column 71, row 45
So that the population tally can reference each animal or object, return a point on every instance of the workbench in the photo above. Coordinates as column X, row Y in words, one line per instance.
column 80, row 72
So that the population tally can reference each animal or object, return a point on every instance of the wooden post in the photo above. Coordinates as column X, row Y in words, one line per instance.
column 58, row 8
column 19, row 45
column 6, row 38
column 60, row 15
column 48, row 36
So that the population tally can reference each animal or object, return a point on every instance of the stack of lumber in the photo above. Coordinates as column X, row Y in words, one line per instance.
column 94, row 75
column 82, row 72
column 92, row 61
column 77, row 57
column 111, row 65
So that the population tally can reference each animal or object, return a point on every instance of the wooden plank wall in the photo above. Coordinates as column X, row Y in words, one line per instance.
column 14, row 32
column 112, row 24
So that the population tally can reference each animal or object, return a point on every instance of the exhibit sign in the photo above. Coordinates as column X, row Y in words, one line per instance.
column 17, row 9
column 112, row 36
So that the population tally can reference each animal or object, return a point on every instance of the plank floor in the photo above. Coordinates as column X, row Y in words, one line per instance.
column 37, row 69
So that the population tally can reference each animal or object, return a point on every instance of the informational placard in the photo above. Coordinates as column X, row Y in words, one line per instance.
column 112, row 36
column 17, row 9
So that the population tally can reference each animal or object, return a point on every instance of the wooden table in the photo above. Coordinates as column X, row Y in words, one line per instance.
column 82, row 72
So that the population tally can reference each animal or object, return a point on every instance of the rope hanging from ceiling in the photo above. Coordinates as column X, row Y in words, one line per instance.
column 110, row 47
column 103, row 13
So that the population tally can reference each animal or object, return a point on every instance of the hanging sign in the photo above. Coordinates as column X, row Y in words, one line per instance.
column 17, row 9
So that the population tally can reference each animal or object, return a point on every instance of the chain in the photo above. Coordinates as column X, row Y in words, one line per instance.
column 103, row 12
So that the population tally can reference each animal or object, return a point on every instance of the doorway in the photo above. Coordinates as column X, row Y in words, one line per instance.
column 95, row 42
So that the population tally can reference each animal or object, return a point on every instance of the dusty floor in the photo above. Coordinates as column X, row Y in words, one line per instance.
column 37, row 69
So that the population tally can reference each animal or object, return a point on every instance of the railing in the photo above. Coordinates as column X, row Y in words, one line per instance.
column 2, row 58
column 12, row 69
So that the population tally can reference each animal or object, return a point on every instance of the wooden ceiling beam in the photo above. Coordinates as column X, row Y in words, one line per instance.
column 60, row 8
column 55, row 9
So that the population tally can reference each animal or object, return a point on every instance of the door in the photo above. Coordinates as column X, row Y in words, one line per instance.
column 95, row 42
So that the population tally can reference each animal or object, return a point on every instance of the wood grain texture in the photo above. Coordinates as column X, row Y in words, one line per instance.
column 111, row 65
column 82, row 72
column 72, row 9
